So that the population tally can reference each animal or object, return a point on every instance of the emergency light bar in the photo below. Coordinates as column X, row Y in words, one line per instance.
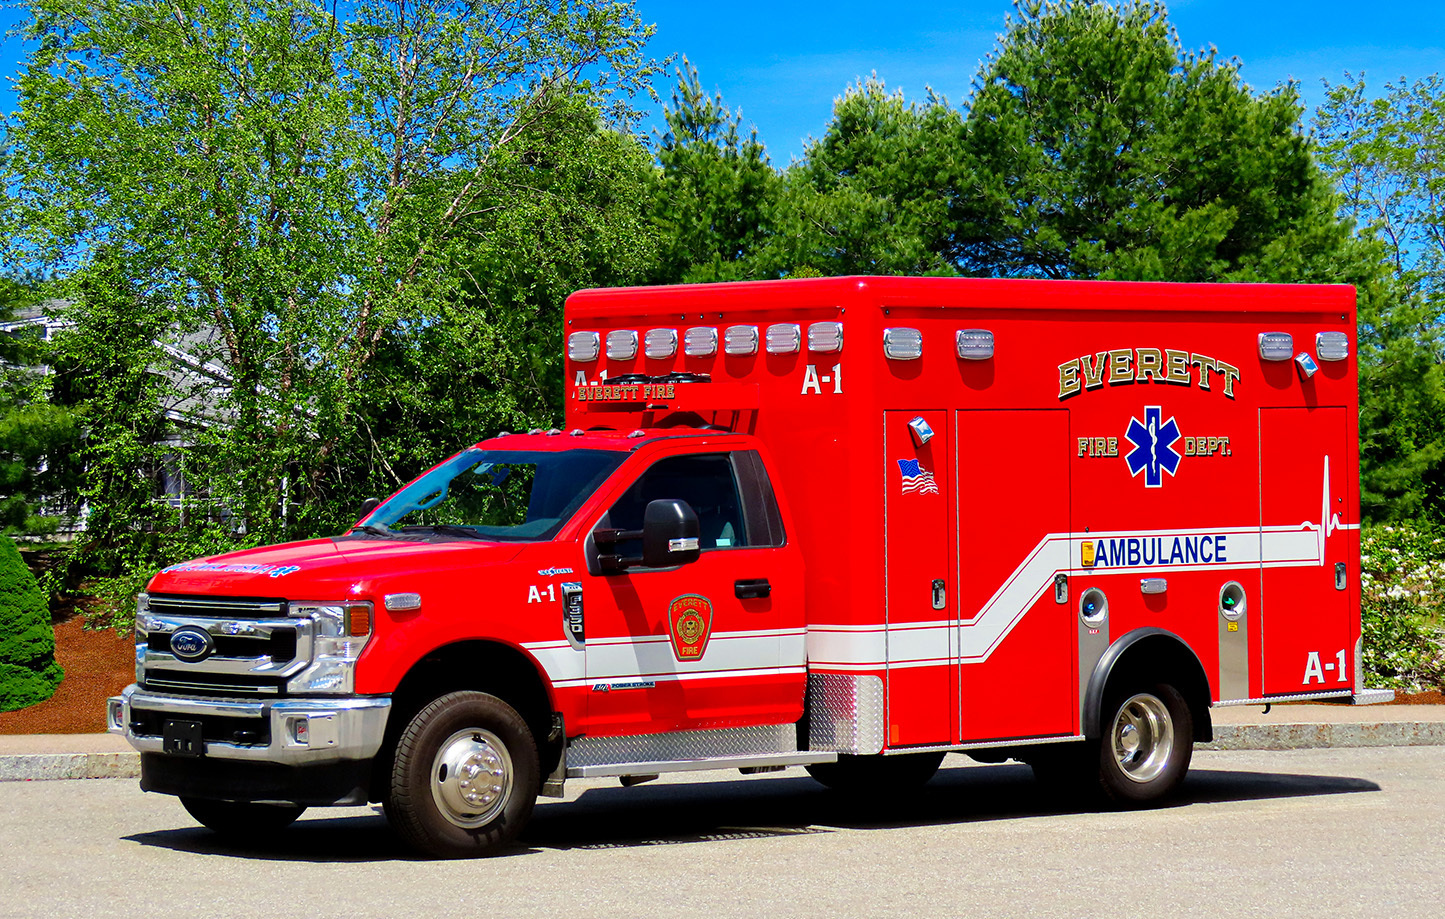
column 825, row 337
column 785, row 338
column 740, row 339
column 700, row 341
column 660, row 343
column 621, row 345
column 903, row 344
column 1332, row 346
column 974, row 344
column 1276, row 346
column 583, row 346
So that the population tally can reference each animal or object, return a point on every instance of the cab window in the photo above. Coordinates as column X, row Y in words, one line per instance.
column 706, row 482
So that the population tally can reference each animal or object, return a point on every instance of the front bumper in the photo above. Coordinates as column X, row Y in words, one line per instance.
column 335, row 729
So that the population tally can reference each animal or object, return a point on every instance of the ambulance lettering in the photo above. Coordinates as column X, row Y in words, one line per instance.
column 1151, row 551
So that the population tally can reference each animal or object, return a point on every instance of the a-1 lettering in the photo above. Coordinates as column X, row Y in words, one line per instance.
column 812, row 383
column 537, row 594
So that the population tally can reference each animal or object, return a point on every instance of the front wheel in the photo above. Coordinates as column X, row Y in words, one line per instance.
column 1147, row 744
column 464, row 778
column 243, row 820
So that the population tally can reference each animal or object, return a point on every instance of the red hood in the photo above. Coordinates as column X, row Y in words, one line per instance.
column 323, row 569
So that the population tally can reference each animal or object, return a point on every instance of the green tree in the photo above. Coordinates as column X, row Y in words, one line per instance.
column 1387, row 157
column 257, row 197
column 879, row 193
column 1099, row 148
column 715, row 190
column 34, row 433
column 28, row 671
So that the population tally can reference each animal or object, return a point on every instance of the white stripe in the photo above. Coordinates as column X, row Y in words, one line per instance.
column 689, row 677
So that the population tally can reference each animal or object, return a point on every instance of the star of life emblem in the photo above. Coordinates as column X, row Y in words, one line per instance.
column 1153, row 440
column 916, row 479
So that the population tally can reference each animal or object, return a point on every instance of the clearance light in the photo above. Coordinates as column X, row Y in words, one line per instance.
column 974, row 344
column 397, row 602
column 1276, row 346
column 825, row 337
column 621, row 345
column 583, row 346
column 1332, row 346
column 903, row 344
column 660, row 343
column 741, row 339
column 700, row 341
column 785, row 338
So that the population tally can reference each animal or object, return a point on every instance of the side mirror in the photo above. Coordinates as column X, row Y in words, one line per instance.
column 669, row 534
column 367, row 506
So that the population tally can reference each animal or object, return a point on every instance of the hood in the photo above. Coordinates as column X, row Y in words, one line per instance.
column 324, row 569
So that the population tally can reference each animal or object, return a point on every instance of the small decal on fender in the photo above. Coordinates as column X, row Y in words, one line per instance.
column 689, row 620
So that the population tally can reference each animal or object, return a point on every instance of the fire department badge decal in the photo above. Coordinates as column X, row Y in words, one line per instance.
column 689, row 619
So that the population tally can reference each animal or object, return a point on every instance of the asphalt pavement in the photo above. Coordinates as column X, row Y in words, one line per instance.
column 32, row 757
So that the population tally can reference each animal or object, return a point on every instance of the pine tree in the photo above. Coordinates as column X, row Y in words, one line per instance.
column 28, row 671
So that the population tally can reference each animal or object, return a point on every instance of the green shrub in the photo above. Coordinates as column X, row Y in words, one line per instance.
column 1403, row 607
column 28, row 671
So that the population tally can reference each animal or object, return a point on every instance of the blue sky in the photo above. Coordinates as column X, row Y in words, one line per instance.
column 783, row 64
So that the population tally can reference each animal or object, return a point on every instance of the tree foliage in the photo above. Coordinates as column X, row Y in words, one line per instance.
column 715, row 190
column 266, row 211
column 35, row 434
column 28, row 671
column 1387, row 156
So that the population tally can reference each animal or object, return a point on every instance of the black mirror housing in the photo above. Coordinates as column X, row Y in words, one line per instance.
column 669, row 534
column 367, row 506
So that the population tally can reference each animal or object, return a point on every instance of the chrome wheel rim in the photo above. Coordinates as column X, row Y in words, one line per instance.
column 1143, row 737
column 471, row 778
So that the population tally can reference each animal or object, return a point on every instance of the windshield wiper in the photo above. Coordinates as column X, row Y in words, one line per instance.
column 374, row 529
column 448, row 529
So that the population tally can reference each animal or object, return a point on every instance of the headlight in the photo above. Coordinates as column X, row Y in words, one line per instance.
column 339, row 633
column 142, row 633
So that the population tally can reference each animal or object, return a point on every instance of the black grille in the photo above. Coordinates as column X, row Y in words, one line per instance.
column 214, row 728
column 218, row 607
column 201, row 682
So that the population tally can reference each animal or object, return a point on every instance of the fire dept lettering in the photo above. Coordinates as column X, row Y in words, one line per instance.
column 1123, row 366
column 1153, row 551
column 624, row 392
column 689, row 620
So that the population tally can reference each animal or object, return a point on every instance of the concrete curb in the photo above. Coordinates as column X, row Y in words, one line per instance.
column 1310, row 736
column 1318, row 735
column 42, row 766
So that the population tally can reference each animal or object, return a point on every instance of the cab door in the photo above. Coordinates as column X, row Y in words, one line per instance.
column 713, row 644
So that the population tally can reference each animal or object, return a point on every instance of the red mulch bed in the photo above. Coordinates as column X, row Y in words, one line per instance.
column 98, row 663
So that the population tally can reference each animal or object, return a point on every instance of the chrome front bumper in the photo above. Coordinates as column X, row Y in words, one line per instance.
column 346, row 728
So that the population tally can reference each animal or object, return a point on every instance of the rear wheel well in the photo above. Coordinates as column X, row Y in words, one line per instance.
column 483, row 666
column 1144, row 658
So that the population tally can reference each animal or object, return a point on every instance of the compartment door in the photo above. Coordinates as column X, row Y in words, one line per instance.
column 918, row 507
column 1303, row 496
column 1017, row 646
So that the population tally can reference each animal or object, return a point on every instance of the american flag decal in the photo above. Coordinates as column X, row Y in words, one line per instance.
column 916, row 478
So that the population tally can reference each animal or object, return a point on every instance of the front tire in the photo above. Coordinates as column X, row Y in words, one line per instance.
column 464, row 778
column 242, row 820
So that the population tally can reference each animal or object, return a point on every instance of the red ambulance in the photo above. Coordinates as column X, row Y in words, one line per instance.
column 849, row 523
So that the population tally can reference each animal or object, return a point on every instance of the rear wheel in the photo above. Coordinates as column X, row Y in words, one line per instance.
column 877, row 775
column 464, row 778
column 1147, row 744
column 242, row 819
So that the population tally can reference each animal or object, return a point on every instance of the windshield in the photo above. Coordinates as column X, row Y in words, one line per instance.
column 496, row 494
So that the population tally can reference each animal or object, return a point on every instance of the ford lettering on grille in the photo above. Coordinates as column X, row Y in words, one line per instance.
column 191, row 644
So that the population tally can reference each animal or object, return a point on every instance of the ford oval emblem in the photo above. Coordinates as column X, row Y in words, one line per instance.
column 191, row 644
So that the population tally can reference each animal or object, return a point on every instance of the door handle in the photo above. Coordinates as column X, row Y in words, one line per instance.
column 754, row 589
